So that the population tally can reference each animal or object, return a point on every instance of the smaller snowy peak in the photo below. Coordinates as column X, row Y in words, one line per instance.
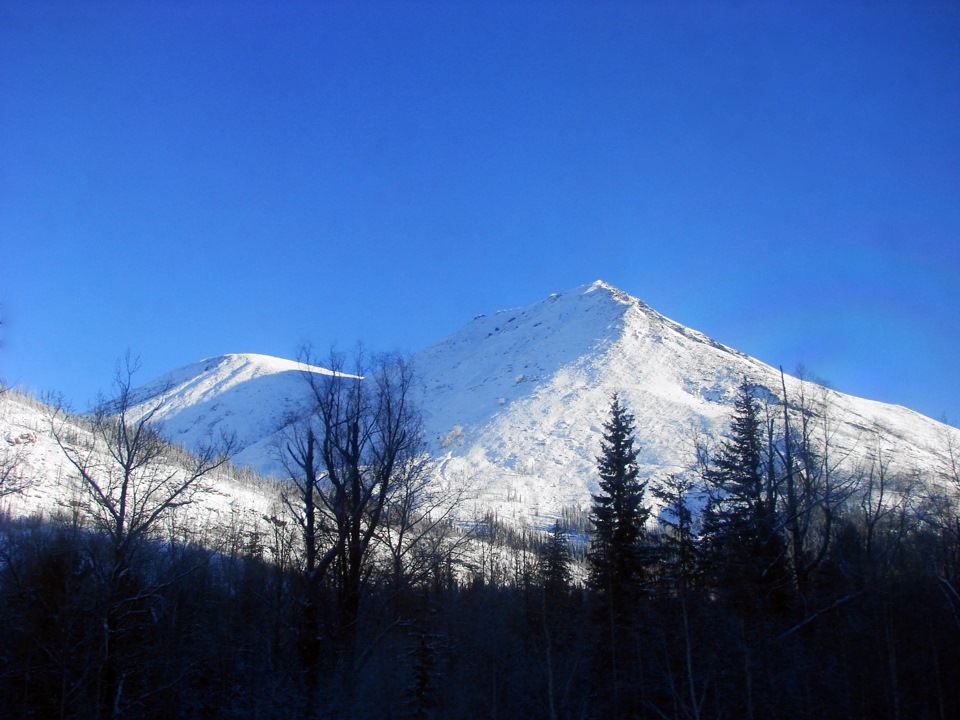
column 212, row 376
column 250, row 395
column 267, row 364
column 256, row 365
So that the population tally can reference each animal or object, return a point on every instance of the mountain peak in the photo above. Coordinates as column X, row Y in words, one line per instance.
column 258, row 364
column 498, row 358
column 599, row 288
column 602, row 285
column 514, row 402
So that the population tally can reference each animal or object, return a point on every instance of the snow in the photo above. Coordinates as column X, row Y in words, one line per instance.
column 514, row 402
column 234, row 499
column 248, row 395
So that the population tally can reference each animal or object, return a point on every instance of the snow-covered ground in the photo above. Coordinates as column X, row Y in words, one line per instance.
column 234, row 499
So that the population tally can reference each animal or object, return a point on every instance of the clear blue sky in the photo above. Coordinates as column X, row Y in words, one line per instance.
column 186, row 179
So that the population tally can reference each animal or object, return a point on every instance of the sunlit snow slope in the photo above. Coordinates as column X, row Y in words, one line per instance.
column 246, row 395
column 27, row 444
column 514, row 402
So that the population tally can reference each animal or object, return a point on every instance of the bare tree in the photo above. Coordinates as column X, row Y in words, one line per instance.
column 942, row 514
column 132, row 479
column 302, row 498
column 812, row 490
column 132, row 476
column 12, row 478
column 885, row 511
column 351, row 461
column 13, row 451
column 417, row 531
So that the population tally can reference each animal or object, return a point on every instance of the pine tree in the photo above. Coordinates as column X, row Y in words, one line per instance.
column 554, row 565
column 741, row 544
column 618, row 513
column 619, row 516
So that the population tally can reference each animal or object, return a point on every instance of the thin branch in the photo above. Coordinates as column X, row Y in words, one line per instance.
column 832, row 606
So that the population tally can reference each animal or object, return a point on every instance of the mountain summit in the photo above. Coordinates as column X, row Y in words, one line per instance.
column 576, row 341
column 244, row 394
column 514, row 402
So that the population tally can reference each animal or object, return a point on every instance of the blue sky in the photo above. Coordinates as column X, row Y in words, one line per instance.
column 186, row 179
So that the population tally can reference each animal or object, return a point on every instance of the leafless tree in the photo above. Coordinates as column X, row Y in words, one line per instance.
column 132, row 480
column 885, row 513
column 131, row 475
column 942, row 514
column 13, row 450
column 417, row 531
column 351, row 461
column 812, row 489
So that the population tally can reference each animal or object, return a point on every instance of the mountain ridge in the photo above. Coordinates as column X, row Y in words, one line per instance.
column 514, row 401
column 200, row 399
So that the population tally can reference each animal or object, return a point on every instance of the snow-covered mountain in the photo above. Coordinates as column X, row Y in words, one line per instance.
column 247, row 395
column 38, row 479
column 514, row 402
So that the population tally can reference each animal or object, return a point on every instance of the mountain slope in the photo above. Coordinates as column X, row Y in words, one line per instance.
column 247, row 395
column 235, row 500
column 514, row 402
column 531, row 388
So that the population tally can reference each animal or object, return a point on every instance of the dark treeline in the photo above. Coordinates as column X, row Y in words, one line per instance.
column 773, row 584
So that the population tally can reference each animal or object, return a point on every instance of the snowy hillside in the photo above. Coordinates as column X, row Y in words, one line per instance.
column 514, row 402
column 528, row 390
column 248, row 395
column 235, row 499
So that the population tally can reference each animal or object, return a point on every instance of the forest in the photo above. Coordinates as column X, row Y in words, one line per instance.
column 771, row 580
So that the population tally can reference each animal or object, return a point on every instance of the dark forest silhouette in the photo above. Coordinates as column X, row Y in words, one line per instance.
column 773, row 584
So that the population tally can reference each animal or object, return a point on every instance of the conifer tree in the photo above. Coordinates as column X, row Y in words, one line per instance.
column 554, row 566
column 742, row 547
column 618, row 513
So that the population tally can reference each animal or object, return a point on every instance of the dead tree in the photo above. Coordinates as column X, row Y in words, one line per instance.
column 131, row 479
column 813, row 490
column 359, row 447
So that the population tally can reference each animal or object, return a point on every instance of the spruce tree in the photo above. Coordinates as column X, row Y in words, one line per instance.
column 741, row 544
column 618, row 513
column 554, row 565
